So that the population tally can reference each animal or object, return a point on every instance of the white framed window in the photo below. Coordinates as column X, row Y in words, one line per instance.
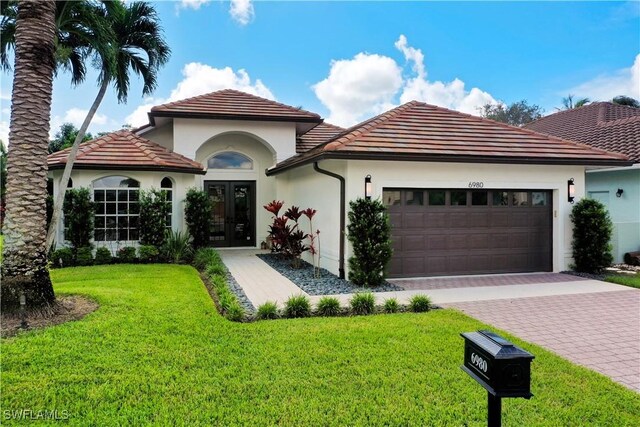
column 166, row 185
column 117, row 209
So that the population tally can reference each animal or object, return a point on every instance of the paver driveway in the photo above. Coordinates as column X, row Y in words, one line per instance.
column 598, row 330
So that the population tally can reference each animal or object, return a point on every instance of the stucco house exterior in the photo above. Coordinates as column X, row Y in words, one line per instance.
column 616, row 128
column 465, row 195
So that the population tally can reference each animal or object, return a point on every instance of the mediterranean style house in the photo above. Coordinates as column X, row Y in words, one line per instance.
column 610, row 127
column 465, row 195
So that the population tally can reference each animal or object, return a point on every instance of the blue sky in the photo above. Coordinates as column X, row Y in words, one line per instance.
column 350, row 60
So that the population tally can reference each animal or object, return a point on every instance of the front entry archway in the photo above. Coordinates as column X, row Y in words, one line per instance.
column 233, row 222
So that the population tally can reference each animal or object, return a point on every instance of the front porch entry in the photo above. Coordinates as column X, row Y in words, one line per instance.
column 233, row 221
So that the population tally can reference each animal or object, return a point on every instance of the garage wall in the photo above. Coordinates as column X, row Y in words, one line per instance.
column 460, row 175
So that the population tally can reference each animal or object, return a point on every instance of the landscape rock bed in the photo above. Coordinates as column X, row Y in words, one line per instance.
column 242, row 297
column 326, row 284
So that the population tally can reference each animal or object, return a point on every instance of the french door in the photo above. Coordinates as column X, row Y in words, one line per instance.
column 233, row 219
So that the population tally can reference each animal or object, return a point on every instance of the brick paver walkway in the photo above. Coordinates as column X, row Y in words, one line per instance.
column 598, row 330
column 428, row 283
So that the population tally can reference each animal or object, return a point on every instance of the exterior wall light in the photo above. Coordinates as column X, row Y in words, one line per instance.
column 571, row 187
column 368, row 188
column 619, row 192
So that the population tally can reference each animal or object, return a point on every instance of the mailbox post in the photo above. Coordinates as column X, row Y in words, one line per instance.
column 503, row 369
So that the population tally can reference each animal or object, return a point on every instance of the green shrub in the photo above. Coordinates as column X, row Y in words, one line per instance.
column 204, row 256
column 176, row 248
column 79, row 212
column 148, row 254
column 197, row 214
column 127, row 255
column 328, row 306
column 369, row 232
column 362, row 303
column 268, row 310
column 62, row 257
column 103, row 256
column 155, row 208
column 391, row 306
column 592, row 228
column 84, row 256
column 297, row 306
column 214, row 269
column 420, row 303
column 235, row 312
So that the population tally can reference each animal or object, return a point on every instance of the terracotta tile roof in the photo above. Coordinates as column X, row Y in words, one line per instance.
column 233, row 104
column 419, row 131
column 125, row 150
column 317, row 135
column 605, row 125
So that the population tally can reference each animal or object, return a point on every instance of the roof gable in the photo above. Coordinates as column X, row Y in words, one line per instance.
column 604, row 125
column 317, row 135
column 125, row 150
column 419, row 131
column 233, row 104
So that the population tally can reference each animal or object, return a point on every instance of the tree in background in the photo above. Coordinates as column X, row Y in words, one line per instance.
column 569, row 103
column 515, row 114
column 626, row 100
column 65, row 138
column 3, row 180
column 24, row 262
column 134, row 44
column 369, row 232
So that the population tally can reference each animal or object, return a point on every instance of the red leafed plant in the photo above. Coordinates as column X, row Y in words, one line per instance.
column 287, row 237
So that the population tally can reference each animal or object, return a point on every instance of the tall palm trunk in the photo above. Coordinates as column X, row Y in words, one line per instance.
column 24, row 266
column 71, row 158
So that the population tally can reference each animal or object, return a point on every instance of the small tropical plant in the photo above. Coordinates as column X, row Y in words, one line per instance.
column 268, row 310
column 204, row 257
column 420, row 303
column 155, row 207
column 79, row 212
column 592, row 228
column 362, row 303
column 148, row 254
column 297, row 306
column 176, row 248
column 103, row 256
column 328, row 306
column 235, row 312
column 62, row 257
column 197, row 214
column 314, row 242
column 287, row 237
column 84, row 256
column 391, row 305
column 369, row 233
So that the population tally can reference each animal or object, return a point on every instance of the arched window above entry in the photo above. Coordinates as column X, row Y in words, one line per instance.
column 230, row 160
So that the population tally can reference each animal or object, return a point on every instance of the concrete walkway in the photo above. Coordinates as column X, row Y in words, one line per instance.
column 591, row 323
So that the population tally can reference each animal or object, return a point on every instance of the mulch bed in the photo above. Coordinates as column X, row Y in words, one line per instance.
column 65, row 309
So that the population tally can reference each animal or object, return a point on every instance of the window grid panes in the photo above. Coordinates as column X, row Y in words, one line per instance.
column 117, row 209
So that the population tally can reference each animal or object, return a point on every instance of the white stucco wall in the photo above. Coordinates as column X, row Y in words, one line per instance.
column 162, row 135
column 148, row 180
column 308, row 188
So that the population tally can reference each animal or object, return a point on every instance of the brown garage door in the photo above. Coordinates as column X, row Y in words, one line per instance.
column 439, row 232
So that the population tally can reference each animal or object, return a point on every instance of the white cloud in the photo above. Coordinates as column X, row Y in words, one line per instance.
column 359, row 87
column 369, row 84
column 4, row 131
column 241, row 11
column 200, row 79
column 192, row 4
column 76, row 116
column 625, row 81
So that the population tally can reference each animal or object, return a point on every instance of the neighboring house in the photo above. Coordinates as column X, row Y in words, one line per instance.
column 466, row 195
column 611, row 127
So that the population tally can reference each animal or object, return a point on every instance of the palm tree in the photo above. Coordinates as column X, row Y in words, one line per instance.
column 569, row 103
column 24, row 266
column 626, row 100
column 138, row 45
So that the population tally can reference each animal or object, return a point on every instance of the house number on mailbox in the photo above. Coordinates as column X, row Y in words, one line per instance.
column 479, row 362
column 476, row 184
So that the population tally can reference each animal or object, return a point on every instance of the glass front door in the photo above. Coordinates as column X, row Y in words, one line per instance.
column 233, row 214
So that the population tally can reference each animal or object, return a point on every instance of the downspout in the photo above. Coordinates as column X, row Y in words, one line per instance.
column 342, row 214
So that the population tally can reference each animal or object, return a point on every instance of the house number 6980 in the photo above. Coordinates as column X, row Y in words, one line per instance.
column 476, row 184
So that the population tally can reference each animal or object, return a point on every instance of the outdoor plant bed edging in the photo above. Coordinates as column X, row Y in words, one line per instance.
column 67, row 308
column 327, row 284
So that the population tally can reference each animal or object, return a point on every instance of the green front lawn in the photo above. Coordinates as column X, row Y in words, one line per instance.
column 633, row 281
column 157, row 352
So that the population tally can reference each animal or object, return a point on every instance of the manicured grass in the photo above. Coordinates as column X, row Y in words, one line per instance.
column 156, row 352
column 633, row 281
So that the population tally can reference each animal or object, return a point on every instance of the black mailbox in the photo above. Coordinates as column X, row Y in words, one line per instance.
column 497, row 364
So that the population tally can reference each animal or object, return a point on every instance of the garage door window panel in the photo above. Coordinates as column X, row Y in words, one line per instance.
column 414, row 198
column 500, row 198
column 479, row 198
column 391, row 197
column 520, row 198
column 437, row 197
column 458, row 198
